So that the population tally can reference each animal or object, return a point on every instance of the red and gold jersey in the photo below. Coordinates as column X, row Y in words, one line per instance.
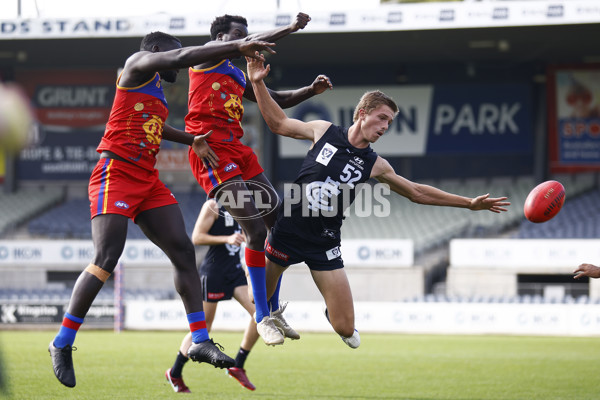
column 135, row 126
column 215, row 102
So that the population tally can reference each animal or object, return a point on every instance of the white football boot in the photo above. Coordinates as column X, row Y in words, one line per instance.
column 281, row 323
column 352, row 341
column 269, row 332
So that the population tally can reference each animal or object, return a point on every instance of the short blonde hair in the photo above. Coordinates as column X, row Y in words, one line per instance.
column 371, row 100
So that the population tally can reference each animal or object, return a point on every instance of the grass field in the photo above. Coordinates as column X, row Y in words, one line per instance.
column 130, row 365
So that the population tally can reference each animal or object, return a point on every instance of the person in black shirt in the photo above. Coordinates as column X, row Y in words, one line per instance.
column 339, row 160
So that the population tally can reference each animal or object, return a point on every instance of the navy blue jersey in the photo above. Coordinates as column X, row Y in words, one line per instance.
column 222, row 256
column 326, row 185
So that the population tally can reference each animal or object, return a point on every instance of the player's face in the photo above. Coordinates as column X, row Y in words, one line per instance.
column 376, row 123
column 236, row 32
column 170, row 75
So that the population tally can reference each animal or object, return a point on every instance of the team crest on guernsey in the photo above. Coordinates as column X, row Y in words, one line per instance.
column 326, row 154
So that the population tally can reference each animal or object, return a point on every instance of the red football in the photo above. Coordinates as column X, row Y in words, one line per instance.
column 544, row 201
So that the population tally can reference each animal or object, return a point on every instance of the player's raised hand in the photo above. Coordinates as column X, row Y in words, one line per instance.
column 300, row 22
column 252, row 48
column 203, row 150
column 321, row 84
column 257, row 70
column 485, row 202
column 587, row 270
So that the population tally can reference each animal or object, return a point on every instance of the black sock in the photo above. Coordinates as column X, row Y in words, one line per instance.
column 240, row 359
column 178, row 365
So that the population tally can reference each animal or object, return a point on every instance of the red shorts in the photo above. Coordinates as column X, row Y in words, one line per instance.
column 235, row 159
column 117, row 187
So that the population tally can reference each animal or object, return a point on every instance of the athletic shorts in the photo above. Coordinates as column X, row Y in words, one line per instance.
column 285, row 250
column 218, row 283
column 117, row 187
column 235, row 159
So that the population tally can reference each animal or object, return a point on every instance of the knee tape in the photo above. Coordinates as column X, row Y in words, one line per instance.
column 98, row 272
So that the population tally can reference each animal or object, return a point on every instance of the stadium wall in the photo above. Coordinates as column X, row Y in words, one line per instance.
column 490, row 267
column 397, row 317
column 379, row 270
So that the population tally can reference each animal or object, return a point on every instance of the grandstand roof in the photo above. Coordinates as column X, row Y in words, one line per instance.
column 480, row 32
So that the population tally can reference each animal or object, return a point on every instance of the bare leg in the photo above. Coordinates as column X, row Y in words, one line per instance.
column 250, row 334
column 109, row 232
column 185, row 344
column 274, row 272
column 164, row 226
column 210, row 309
column 336, row 292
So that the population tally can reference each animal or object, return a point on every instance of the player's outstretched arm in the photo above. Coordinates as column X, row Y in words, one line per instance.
column 589, row 270
column 299, row 22
column 149, row 62
column 274, row 116
column 290, row 98
column 429, row 195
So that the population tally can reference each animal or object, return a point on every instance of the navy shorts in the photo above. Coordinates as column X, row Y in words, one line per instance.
column 219, row 282
column 285, row 250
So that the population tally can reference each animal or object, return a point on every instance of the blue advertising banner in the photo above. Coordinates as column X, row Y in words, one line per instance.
column 480, row 119
column 433, row 119
column 68, row 155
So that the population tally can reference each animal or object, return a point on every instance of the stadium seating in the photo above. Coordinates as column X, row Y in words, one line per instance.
column 71, row 219
column 26, row 203
column 430, row 227
column 579, row 218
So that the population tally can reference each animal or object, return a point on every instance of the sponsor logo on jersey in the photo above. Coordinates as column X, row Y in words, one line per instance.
column 215, row 296
column 230, row 167
column 333, row 253
column 357, row 162
column 326, row 154
column 276, row 253
column 121, row 204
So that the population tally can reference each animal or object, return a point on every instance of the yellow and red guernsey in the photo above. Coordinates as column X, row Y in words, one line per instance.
column 136, row 122
column 215, row 102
